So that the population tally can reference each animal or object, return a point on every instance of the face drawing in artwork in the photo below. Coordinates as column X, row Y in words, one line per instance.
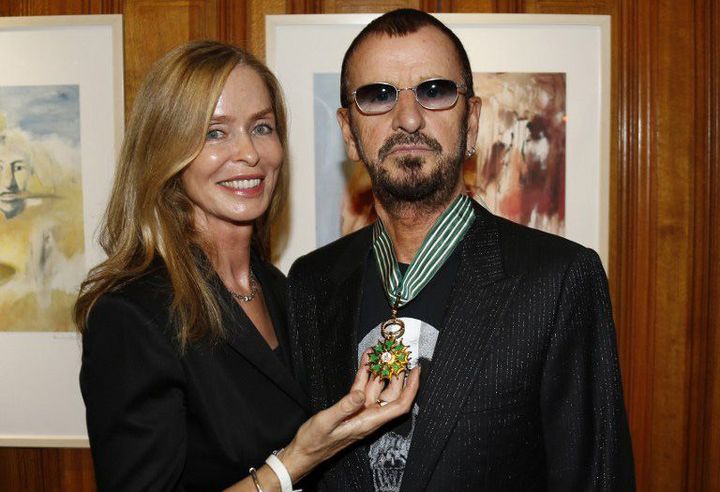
column 15, row 172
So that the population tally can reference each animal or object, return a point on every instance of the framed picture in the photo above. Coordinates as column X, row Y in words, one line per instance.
column 61, row 122
column 542, row 154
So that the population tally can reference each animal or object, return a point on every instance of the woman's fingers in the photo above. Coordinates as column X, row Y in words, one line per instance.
column 403, row 403
column 362, row 375
column 351, row 419
column 366, row 382
column 393, row 389
column 375, row 416
column 409, row 392
column 373, row 389
column 332, row 417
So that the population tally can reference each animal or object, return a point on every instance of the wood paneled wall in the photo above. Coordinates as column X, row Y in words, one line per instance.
column 665, row 205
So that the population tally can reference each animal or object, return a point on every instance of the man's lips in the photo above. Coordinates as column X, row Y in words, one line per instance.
column 403, row 149
column 400, row 143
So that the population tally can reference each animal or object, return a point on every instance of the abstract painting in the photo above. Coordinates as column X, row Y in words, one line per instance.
column 41, row 207
column 518, row 168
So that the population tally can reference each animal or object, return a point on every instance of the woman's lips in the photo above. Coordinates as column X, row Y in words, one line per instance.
column 244, row 186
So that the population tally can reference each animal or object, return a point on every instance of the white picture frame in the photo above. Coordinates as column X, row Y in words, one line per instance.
column 301, row 46
column 40, row 401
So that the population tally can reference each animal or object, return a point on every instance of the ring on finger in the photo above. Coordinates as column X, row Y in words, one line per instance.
column 381, row 402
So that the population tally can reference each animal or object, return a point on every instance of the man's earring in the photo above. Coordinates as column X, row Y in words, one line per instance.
column 470, row 151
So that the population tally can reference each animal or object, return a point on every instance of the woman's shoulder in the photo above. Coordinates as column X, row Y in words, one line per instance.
column 147, row 296
column 151, row 289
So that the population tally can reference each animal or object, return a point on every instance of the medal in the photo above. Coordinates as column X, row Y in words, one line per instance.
column 390, row 357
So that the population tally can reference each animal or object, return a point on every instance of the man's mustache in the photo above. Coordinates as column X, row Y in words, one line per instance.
column 408, row 139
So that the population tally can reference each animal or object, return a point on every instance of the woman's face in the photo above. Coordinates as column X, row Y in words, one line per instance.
column 233, row 178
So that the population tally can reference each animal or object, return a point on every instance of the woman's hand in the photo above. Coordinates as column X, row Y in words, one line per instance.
column 369, row 405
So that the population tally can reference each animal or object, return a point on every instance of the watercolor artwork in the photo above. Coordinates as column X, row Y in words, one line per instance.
column 41, row 207
column 343, row 195
column 517, row 170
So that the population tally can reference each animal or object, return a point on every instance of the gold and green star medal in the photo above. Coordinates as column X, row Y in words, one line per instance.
column 390, row 357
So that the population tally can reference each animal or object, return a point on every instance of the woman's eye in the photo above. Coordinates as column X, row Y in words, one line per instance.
column 215, row 134
column 263, row 129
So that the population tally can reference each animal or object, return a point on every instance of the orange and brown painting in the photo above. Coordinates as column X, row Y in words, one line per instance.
column 518, row 168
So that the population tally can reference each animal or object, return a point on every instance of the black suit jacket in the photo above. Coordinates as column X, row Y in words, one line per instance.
column 523, row 391
column 158, row 420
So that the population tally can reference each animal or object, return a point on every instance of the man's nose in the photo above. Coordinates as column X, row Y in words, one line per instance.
column 408, row 114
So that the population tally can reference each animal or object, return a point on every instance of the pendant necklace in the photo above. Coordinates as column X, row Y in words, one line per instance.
column 246, row 297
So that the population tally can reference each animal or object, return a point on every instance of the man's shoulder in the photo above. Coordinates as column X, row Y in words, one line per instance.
column 341, row 253
column 525, row 249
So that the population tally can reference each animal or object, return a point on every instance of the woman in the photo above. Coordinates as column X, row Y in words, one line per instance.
column 185, row 359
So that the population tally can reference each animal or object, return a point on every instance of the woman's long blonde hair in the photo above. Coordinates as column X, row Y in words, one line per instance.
column 149, row 214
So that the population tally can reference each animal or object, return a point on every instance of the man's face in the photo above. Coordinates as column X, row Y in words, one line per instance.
column 14, row 175
column 412, row 154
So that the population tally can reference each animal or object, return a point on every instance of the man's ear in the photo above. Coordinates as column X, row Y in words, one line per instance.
column 343, row 117
column 473, row 120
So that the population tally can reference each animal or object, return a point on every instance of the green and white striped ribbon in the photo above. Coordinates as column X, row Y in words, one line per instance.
column 445, row 234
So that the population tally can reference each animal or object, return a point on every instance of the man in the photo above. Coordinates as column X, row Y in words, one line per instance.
column 521, row 388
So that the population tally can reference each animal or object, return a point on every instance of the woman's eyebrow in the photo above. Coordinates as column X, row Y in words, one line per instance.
column 261, row 113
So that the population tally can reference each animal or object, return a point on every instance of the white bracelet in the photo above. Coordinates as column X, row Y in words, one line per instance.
column 279, row 468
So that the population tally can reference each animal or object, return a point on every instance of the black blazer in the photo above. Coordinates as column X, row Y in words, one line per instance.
column 523, row 391
column 158, row 420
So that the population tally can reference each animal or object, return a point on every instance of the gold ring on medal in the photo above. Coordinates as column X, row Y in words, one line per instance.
column 392, row 334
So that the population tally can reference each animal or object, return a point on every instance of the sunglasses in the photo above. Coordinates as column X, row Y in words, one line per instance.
column 380, row 97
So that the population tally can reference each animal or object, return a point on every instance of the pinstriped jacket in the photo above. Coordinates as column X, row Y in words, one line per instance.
column 524, row 389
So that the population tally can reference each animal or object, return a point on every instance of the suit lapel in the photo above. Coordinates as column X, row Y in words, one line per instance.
column 244, row 338
column 480, row 294
column 275, row 302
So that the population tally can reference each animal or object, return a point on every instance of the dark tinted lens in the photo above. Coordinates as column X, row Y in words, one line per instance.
column 375, row 98
column 437, row 94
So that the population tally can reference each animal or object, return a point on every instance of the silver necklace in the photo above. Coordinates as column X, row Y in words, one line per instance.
column 246, row 297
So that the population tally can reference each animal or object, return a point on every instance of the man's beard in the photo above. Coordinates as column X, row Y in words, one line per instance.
column 414, row 190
